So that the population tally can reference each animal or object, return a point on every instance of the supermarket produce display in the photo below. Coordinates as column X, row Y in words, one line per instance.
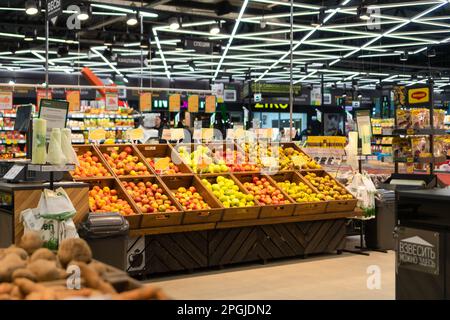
column 157, row 189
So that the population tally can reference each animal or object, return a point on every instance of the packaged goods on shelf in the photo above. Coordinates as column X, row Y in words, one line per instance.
column 439, row 118
column 441, row 145
column 420, row 146
column 401, row 148
column 420, row 118
column 404, row 119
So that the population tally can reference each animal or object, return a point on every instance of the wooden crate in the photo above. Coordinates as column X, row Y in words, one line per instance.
column 335, row 205
column 302, row 208
column 108, row 148
column 133, row 220
column 151, row 151
column 238, row 213
column 269, row 211
column 157, row 219
column 81, row 149
column 195, row 216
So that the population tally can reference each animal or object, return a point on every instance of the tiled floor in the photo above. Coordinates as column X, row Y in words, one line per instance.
column 324, row 277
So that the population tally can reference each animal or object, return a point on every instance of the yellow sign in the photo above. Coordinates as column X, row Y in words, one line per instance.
column 162, row 164
column 97, row 134
column 174, row 103
column 193, row 103
column 73, row 97
column 135, row 134
column 271, row 106
column 145, row 101
column 419, row 95
column 177, row 134
column 210, row 104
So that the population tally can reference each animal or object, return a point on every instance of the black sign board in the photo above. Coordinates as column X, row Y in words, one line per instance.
column 123, row 61
column 200, row 46
column 54, row 9
column 418, row 250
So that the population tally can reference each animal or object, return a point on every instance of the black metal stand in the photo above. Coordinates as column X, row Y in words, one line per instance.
column 362, row 249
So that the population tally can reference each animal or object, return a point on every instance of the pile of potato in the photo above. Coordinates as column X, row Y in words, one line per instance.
column 23, row 268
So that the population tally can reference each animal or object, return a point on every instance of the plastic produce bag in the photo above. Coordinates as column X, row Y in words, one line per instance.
column 364, row 190
column 56, row 205
column 48, row 228
column 66, row 230
column 66, row 146
column 39, row 154
column 55, row 154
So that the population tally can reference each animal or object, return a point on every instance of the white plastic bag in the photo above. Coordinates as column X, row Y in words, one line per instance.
column 67, row 230
column 364, row 190
column 48, row 229
column 66, row 146
column 55, row 154
column 56, row 205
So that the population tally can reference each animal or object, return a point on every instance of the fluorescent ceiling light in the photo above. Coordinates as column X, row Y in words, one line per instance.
column 143, row 13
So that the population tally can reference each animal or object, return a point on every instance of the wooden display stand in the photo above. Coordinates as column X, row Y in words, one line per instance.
column 188, row 240
column 26, row 195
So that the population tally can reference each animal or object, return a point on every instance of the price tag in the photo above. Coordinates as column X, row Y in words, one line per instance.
column 269, row 162
column 174, row 103
column 6, row 100
column 145, row 101
column 207, row 134
column 177, row 134
column 299, row 161
column 410, row 131
column 210, row 104
column 162, row 164
column 135, row 134
column 193, row 103
column 97, row 134
column 410, row 160
column 13, row 172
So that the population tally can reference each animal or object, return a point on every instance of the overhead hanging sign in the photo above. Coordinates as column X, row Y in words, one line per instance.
column 316, row 96
column 419, row 96
column 54, row 9
column 124, row 61
column 145, row 102
column 73, row 97
column 174, row 103
column 111, row 101
column 210, row 104
column 193, row 102
column 217, row 90
column 41, row 94
column 6, row 100
column 275, row 88
column 200, row 46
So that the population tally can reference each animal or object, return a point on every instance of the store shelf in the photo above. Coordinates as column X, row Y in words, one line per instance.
column 101, row 116
column 12, row 141
column 410, row 132
column 50, row 167
column 120, row 128
column 421, row 160
column 7, row 129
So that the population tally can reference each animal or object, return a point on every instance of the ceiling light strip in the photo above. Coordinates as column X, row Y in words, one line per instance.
column 230, row 40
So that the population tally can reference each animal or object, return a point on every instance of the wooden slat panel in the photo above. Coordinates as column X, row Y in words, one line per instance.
column 24, row 199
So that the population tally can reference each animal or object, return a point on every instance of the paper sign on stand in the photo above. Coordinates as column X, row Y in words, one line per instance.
column 97, row 135
column 73, row 97
column 135, row 134
column 55, row 112
column 6, row 100
column 145, row 101
column 177, row 134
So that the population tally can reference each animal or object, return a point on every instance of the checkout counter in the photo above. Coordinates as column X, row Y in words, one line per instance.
column 423, row 244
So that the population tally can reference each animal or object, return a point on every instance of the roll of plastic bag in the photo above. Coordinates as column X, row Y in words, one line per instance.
column 39, row 152
column 55, row 154
column 66, row 146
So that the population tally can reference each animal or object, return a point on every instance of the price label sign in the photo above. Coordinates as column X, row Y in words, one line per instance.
column 13, row 172
column 97, row 135
column 41, row 94
column 135, row 134
column 210, row 104
column 193, row 103
column 6, row 100
column 162, row 164
column 111, row 101
column 73, row 97
column 145, row 102
column 174, row 103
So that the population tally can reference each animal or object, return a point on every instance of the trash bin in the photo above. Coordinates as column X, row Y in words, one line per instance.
column 106, row 234
column 379, row 231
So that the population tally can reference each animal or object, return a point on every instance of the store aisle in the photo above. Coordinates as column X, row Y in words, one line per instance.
column 323, row 277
